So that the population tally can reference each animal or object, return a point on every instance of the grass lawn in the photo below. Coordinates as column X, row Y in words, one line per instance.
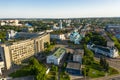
column 51, row 75
column 25, row 71
column 50, row 47
column 97, row 71
column 64, row 76
column 47, row 50
column 113, row 71
column 93, row 73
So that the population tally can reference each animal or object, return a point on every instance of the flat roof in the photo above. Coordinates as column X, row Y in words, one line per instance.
column 79, row 52
column 59, row 52
column 102, row 48
column 74, row 65
column 25, row 40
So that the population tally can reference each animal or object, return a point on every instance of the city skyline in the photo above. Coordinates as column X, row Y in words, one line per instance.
column 59, row 8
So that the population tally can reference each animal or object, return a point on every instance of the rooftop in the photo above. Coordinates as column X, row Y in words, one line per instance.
column 73, row 65
column 79, row 52
column 19, row 41
column 59, row 52
column 106, row 49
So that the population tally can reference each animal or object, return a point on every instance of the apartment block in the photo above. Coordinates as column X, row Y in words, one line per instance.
column 16, row 52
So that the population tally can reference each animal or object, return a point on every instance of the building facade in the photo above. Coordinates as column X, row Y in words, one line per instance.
column 58, row 36
column 106, row 51
column 56, row 57
column 16, row 52
column 77, row 56
column 74, row 68
column 75, row 37
column 10, row 22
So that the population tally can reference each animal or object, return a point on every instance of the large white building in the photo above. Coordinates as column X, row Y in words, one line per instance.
column 10, row 22
column 11, row 34
column 58, row 36
column 106, row 51
column 55, row 27
column 13, row 54
column 56, row 57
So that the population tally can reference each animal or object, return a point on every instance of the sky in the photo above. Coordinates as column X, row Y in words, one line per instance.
column 59, row 8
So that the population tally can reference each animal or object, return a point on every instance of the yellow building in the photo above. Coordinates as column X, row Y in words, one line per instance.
column 21, row 50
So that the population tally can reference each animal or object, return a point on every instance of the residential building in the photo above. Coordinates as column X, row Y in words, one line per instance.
column 77, row 55
column 28, row 29
column 56, row 57
column 106, row 51
column 1, row 64
column 10, row 22
column 13, row 54
column 58, row 36
column 74, row 68
column 110, row 43
column 114, row 29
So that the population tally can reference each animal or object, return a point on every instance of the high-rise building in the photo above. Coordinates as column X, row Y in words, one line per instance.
column 16, row 52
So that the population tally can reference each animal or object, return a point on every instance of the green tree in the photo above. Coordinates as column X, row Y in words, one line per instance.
column 37, row 69
column 104, row 63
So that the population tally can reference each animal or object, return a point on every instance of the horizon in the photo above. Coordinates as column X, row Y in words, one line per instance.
column 59, row 9
column 60, row 18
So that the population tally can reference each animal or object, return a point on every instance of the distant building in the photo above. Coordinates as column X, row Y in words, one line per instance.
column 106, row 51
column 28, row 25
column 11, row 34
column 56, row 57
column 55, row 27
column 2, row 23
column 49, row 31
column 114, row 29
column 60, row 24
column 58, row 36
column 75, row 37
column 10, row 22
column 74, row 68
column 28, row 29
column 111, row 27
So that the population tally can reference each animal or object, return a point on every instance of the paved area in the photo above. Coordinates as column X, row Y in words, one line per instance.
column 115, row 78
column 24, row 78
column 76, row 77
